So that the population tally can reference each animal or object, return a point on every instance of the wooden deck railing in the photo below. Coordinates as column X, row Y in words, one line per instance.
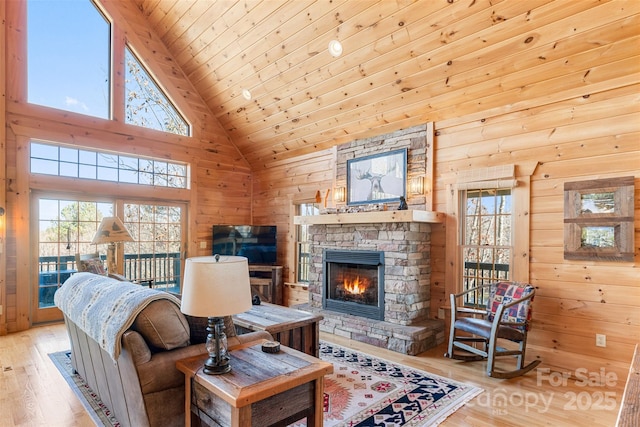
column 162, row 268
column 479, row 274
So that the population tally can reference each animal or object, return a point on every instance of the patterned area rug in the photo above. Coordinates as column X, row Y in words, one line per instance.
column 363, row 391
column 367, row 391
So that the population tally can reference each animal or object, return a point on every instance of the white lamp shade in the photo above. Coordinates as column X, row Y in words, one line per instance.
column 216, row 288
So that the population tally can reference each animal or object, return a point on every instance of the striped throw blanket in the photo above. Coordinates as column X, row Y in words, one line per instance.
column 105, row 308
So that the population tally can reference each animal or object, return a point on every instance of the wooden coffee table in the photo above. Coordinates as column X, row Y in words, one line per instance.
column 261, row 390
column 294, row 328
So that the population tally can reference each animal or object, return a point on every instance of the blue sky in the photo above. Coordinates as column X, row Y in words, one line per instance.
column 68, row 56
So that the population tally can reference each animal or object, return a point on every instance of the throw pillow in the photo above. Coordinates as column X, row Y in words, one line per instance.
column 94, row 265
column 506, row 292
column 162, row 325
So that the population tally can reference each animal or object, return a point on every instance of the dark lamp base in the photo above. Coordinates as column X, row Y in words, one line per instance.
column 213, row 368
column 218, row 361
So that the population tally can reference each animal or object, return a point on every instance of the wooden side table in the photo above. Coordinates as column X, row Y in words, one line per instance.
column 261, row 390
column 294, row 328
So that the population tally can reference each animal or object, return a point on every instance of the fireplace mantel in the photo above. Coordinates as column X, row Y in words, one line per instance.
column 412, row 215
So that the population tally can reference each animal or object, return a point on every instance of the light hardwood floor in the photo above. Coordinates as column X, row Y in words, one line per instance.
column 32, row 392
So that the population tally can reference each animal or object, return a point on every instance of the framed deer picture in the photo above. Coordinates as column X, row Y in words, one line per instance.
column 378, row 178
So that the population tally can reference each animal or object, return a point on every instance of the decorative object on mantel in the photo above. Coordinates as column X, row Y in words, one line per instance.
column 340, row 194
column 403, row 204
column 598, row 219
column 377, row 178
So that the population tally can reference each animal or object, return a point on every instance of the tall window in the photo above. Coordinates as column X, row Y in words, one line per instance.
column 486, row 239
column 303, row 242
column 146, row 104
column 66, row 227
column 68, row 56
column 155, row 252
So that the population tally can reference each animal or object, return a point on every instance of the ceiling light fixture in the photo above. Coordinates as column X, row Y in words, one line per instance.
column 335, row 48
column 246, row 94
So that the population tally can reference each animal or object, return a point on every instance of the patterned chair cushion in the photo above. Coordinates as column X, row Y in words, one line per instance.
column 504, row 293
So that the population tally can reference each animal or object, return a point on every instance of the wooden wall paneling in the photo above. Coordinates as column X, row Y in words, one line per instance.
column 585, row 311
column 584, row 168
column 20, row 226
column 577, row 344
column 575, row 138
column 615, row 332
column 279, row 185
column 581, row 286
column 3, row 170
column 15, row 84
column 117, row 73
column 542, row 118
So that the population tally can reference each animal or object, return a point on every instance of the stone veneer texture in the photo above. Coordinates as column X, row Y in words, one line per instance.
column 407, row 263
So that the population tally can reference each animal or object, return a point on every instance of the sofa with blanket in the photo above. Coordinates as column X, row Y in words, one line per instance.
column 125, row 340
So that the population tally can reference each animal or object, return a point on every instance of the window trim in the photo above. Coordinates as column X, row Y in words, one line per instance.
column 518, row 174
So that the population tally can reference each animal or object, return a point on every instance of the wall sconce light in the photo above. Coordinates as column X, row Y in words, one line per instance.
column 340, row 195
column 416, row 185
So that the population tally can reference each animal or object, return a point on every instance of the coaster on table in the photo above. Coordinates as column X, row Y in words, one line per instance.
column 271, row 346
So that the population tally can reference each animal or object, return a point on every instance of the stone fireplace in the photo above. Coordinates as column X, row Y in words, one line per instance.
column 399, row 320
column 396, row 252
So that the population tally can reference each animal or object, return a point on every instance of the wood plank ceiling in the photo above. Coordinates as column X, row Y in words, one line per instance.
column 404, row 62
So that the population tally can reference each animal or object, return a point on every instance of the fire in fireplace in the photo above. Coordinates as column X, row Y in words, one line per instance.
column 354, row 282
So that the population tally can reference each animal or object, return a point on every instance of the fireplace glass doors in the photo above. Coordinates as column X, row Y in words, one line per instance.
column 354, row 283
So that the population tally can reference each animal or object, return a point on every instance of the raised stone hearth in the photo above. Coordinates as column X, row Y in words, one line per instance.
column 406, row 327
column 411, row 340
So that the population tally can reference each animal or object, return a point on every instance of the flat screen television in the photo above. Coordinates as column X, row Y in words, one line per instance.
column 255, row 242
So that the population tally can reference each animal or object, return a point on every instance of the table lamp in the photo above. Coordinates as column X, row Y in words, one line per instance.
column 111, row 231
column 214, row 287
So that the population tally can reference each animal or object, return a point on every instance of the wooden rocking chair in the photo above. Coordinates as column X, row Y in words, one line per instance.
column 507, row 317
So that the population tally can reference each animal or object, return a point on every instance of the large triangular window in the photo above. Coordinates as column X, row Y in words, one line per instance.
column 146, row 104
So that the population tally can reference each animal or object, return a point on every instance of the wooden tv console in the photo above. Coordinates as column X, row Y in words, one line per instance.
column 266, row 282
